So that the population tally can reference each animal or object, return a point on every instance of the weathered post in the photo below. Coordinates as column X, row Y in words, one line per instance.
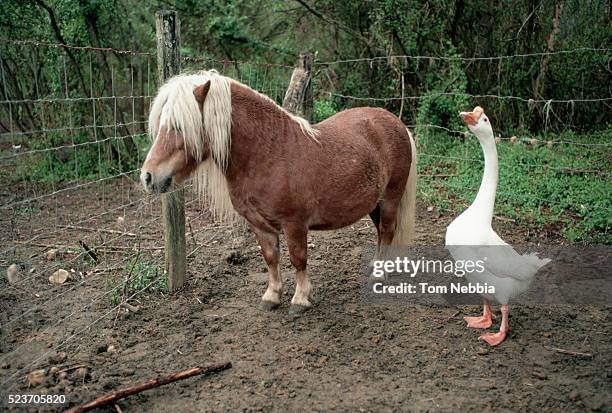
column 298, row 98
column 173, row 203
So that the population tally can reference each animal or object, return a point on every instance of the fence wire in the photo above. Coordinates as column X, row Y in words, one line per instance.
column 72, row 138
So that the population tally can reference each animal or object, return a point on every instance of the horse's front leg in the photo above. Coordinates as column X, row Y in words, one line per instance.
column 297, row 245
column 268, row 241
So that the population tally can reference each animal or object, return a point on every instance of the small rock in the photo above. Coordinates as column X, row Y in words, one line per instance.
column 62, row 375
column 58, row 358
column 51, row 254
column 59, row 277
column 376, row 339
column 120, row 220
column 12, row 273
column 35, row 378
column 54, row 370
column 483, row 351
column 81, row 372
column 111, row 349
column 430, row 208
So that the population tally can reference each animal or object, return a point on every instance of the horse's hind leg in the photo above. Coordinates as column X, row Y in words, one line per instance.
column 297, row 245
column 388, row 221
column 375, row 216
column 268, row 241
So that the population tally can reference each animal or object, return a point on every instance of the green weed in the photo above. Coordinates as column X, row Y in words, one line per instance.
column 139, row 275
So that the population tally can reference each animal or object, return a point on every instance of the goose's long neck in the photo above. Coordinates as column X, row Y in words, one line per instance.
column 485, row 199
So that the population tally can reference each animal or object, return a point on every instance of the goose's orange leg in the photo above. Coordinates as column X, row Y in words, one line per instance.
column 496, row 338
column 481, row 322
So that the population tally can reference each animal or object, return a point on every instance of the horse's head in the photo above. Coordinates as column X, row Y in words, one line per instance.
column 176, row 127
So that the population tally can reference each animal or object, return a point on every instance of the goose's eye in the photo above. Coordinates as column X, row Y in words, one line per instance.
column 486, row 120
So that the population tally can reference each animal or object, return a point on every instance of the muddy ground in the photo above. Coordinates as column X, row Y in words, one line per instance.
column 342, row 355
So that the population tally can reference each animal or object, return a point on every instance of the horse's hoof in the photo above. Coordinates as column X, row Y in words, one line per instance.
column 267, row 305
column 297, row 309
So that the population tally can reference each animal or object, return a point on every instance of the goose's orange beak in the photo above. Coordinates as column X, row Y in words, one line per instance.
column 472, row 118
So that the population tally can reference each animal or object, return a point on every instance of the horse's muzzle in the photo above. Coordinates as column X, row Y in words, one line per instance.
column 151, row 186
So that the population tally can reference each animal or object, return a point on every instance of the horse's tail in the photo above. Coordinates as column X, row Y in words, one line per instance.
column 405, row 224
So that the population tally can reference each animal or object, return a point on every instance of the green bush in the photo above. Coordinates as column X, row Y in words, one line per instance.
column 323, row 109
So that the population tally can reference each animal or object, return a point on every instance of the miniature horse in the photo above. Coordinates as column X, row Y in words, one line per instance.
column 280, row 173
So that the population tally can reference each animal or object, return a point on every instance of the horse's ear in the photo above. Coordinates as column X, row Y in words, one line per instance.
column 200, row 92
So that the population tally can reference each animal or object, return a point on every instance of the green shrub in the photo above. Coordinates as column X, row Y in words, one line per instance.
column 323, row 109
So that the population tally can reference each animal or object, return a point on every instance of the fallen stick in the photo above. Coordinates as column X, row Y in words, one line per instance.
column 452, row 316
column 78, row 366
column 568, row 352
column 149, row 384
column 130, row 307
column 66, row 249
column 110, row 231
column 504, row 219
column 89, row 252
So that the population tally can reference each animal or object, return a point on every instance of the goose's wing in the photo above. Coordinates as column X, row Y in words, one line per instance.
column 500, row 259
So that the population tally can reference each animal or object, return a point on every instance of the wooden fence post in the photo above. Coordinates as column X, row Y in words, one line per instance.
column 173, row 203
column 298, row 98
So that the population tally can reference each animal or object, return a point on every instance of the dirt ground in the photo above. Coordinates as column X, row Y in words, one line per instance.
column 342, row 355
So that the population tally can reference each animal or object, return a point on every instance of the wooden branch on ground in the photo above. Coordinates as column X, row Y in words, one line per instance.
column 130, row 307
column 504, row 219
column 568, row 352
column 452, row 316
column 111, row 398
column 77, row 366
column 67, row 250
column 110, row 231
column 89, row 251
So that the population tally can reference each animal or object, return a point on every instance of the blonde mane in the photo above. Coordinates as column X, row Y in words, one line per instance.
column 176, row 107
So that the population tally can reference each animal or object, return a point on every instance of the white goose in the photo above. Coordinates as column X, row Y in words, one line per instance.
column 470, row 236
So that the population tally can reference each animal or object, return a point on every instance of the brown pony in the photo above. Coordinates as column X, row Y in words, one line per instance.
column 280, row 173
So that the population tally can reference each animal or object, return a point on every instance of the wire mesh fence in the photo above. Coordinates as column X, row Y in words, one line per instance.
column 78, row 230
column 540, row 152
column 73, row 135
